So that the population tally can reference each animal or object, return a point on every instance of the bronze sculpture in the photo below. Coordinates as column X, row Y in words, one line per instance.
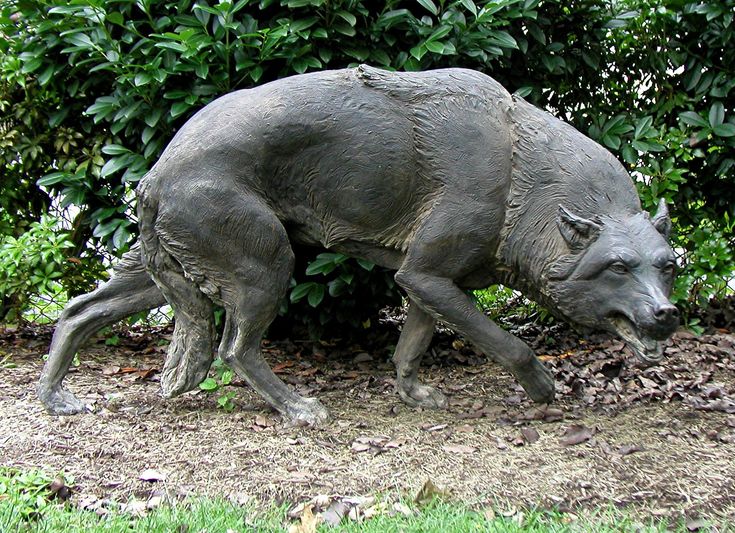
column 441, row 175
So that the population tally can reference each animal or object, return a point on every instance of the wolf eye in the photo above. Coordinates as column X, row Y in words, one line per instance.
column 619, row 268
column 668, row 269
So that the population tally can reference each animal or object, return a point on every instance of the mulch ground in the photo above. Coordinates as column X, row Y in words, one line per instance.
column 658, row 441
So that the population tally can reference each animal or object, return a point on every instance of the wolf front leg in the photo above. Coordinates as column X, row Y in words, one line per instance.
column 444, row 300
column 414, row 340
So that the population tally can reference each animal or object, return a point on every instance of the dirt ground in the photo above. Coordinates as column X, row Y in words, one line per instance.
column 659, row 441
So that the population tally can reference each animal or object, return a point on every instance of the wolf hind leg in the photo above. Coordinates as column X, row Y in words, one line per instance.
column 130, row 290
column 190, row 353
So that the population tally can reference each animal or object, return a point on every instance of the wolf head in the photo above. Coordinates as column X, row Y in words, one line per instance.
column 618, row 277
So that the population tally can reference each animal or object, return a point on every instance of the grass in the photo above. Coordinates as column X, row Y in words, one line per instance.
column 27, row 504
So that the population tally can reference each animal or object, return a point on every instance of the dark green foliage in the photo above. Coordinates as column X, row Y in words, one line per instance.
column 337, row 295
column 91, row 92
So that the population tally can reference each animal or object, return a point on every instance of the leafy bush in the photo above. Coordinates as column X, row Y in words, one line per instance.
column 31, row 265
column 91, row 92
column 343, row 295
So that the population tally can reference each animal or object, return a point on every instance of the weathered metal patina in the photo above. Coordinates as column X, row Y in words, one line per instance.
column 442, row 175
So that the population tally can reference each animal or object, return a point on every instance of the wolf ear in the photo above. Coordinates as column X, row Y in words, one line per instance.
column 661, row 220
column 578, row 232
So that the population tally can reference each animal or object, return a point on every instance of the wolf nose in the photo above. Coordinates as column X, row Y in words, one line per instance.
column 666, row 313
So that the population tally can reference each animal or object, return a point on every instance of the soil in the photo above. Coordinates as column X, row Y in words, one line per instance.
column 658, row 441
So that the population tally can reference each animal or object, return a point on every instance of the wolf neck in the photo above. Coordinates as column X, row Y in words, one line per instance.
column 553, row 164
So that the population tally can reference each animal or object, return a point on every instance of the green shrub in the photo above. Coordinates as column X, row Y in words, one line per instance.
column 339, row 295
column 91, row 91
column 32, row 265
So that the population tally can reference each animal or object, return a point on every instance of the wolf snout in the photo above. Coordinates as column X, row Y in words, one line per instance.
column 665, row 318
column 666, row 313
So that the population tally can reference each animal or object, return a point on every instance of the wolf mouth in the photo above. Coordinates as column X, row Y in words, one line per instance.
column 648, row 350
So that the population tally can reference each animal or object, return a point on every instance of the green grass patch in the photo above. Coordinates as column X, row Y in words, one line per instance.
column 32, row 501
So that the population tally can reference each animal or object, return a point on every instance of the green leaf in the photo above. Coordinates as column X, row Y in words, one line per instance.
column 179, row 108
column 367, row 265
column 439, row 33
column 536, row 32
column 115, row 164
column 115, row 149
column 470, row 5
column 202, row 70
column 642, row 126
column 432, row 46
column 348, row 17
column 209, row 384
column 724, row 130
column 693, row 119
column 227, row 376
column 103, row 230
column 32, row 65
column 430, row 6
column 345, row 29
column 51, row 179
column 256, row 73
column 316, row 295
column 46, row 75
column 142, row 78
column 170, row 45
column 337, row 287
column 81, row 40
column 120, row 237
column 324, row 264
column 716, row 114
column 151, row 119
column 419, row 51
column 504, row 39
column 300, row 291
column 116, row 18
column 302, row 24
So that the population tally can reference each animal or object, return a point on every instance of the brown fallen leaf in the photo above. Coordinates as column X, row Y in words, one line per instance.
column 135, row 507
column 431, row 427
column 358, row 447
column 627, row 449
column 308, row 522
column 362, row 357
column 459, row 448
column 518, row 441
column 308, row 372
column 59, row 489
column 280, row 368
column 695, row 524
column 378, row 509
column 334, row 514
column 529, row 434
column 151, row 475
column 402, row 508
column 395, row 443
column 263, row 421
column 576, row 434
column 553, row 414
column 429, row 492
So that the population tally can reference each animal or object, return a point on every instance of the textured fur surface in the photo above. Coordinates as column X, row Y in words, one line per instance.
column 440, row 175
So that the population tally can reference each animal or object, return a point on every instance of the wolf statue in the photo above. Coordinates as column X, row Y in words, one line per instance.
column 442, row 176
